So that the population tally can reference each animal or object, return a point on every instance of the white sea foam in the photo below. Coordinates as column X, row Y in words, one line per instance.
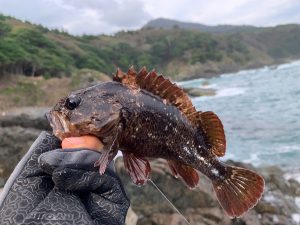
column 189, row 82
column 297, row 201
column 293, row 174
column 226, row 92
column 275, row 219
column 254, row 158
column 296, row 218
column 209, row 86
column 282, row 150
column 242, row 72
column 288, row 65
column 270, row 198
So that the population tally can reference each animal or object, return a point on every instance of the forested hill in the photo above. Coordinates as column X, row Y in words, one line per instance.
column 34, row 50
column 170, row 24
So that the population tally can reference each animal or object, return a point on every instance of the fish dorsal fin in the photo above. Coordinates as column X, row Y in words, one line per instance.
column 128, row 79
column 213, row 131
column 158, row 85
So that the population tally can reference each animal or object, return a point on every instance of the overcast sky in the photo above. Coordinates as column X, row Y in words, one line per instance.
column 109, row 16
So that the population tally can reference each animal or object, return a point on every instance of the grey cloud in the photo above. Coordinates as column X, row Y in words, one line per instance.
column 108, row 16
column 90, row 4
column 77, row 16
column 129, row 13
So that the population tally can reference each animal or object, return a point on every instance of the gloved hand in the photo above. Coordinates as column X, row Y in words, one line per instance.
column 54, row 186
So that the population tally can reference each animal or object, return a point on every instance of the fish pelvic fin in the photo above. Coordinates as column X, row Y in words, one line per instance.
column 239, row 191
column 137, row 167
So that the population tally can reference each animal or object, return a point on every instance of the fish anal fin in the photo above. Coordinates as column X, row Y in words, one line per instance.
column 187, row 173
column 158, row 85
column 173, row 168
column 239, row 191
column 137, row 167
column 213, row 131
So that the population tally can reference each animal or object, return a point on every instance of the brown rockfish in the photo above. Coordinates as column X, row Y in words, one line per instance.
column 146, row 116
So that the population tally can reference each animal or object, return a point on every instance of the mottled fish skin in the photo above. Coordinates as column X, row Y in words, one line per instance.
column 144, row 125
column 159, row 130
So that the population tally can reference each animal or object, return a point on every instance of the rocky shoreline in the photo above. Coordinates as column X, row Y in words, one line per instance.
column 20, row 127
column 201, row 207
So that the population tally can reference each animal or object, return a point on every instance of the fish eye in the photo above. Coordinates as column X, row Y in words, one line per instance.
column 72, row 102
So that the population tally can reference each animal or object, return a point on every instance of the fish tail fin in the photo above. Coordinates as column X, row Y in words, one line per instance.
column 239, row 190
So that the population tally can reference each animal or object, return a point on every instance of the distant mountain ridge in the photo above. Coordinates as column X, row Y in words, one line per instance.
column 180, row 50
column 171, row 24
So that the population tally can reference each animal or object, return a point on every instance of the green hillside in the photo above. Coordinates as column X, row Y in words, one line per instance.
column 34, row 50
column 170, row 24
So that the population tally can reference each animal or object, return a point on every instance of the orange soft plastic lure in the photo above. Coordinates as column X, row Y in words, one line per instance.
column 86, row 141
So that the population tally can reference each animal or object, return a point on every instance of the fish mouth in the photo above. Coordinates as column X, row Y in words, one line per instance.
column 63, row 128
column 60, row 125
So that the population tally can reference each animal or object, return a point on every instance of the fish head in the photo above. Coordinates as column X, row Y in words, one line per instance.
column 83, row 112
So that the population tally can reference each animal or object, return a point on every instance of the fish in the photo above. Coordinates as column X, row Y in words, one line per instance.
column 144, row 115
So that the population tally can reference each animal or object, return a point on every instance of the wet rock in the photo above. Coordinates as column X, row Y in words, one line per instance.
column 167, row 219
column 213, row 215
column 196, row 92
column 294, row 187
column 200, row 206
column 2, row 182
column 271, row 219
column 266, row 207
column 251, row 218
column 19, row 128
column 26, row 117
column 147, row 200
column 131, row 218
column 14, row 142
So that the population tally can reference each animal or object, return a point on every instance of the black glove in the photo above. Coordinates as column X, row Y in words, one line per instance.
column 61, row 187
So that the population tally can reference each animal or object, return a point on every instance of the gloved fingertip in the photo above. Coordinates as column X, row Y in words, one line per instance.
column 45, row 163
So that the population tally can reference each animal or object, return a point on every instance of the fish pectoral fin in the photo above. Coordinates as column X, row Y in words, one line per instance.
column 109, row 151
column 106, row 157
column 212, row 129
column 137, row 167
column 187, row 173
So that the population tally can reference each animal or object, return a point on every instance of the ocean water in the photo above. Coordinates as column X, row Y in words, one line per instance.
column 260, row 111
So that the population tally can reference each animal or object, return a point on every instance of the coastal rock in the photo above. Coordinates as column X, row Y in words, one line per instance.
column 196, row 92
column 271, row 219
column 131, row 217
column 2, row 182
column 200, row 206
column 14, row 142
column 171, row 219
column 18, row 131
column 27, row 117
column 19, row 128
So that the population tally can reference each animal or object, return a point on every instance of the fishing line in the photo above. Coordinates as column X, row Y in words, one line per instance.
column 174, row 207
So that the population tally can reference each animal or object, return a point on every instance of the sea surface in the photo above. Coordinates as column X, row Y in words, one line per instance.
column 260, row 111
